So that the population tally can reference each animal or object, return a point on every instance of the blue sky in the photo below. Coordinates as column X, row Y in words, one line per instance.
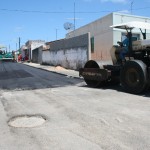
column 40, row 19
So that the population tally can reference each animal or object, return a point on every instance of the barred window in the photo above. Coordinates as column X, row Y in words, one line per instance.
column 92, row 44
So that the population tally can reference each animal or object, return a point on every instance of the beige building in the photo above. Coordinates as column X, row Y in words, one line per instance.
column 26, row 50
column 103, row 37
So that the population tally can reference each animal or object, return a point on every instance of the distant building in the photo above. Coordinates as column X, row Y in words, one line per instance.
column 103, row 37
column 33, row 44
column 26, row 50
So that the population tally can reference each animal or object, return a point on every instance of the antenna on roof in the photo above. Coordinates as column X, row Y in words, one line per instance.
column 68, row 26
column 132, row 5
column 74, row 15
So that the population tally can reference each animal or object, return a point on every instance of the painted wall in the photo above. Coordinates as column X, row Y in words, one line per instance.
column 75, row 50
column 74, row 58
column 37, row 53
column 105, row 36
column 70, row 53
column 33, row 44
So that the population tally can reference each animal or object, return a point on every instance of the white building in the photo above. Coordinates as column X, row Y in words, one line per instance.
column 31, row 45
column 103, row 37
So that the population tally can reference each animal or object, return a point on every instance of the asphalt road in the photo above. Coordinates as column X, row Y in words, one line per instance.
column 76, row 117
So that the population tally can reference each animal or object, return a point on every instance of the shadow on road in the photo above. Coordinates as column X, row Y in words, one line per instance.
column 119, row 88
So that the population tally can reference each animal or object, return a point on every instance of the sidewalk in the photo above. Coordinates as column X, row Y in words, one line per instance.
column 58, row 69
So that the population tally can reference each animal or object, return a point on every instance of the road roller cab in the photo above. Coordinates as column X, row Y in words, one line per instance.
column 134, row 74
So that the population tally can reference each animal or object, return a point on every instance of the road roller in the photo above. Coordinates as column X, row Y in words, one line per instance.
column 133, row 74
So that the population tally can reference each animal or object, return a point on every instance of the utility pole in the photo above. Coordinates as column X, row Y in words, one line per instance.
column 19, row 43
column 9, row 47
column 56, row 33
column 16, row 46
column 74, row 15
column 132, row 6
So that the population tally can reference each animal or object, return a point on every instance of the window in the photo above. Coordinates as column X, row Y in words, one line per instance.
column 92, row 44
column 135, row 36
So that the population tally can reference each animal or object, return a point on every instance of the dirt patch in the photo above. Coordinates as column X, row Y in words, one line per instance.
column 60, row 68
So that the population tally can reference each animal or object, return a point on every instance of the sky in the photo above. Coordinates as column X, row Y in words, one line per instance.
column 45, row 19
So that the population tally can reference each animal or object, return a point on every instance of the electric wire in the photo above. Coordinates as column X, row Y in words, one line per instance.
column 64, row 12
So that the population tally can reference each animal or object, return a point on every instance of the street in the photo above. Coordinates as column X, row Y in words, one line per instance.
column 75, row 116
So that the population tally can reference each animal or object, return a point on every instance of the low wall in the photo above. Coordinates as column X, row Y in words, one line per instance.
column 74, row 58
column 70, row 53
column 37, row 55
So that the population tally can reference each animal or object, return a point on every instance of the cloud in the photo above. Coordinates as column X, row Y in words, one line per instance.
column 124, row 11
column 115, row 1
column 18, row 29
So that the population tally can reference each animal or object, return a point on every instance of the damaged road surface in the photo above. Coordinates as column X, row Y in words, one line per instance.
column 42, row 110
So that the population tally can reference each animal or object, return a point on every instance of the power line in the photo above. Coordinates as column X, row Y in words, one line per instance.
column 58, row 12
column 50, row 12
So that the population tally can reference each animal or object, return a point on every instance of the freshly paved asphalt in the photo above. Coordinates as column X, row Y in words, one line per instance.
column 77, row 117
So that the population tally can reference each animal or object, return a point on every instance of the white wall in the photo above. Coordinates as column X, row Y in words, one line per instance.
column 35, row 45
column 73, row 58
column 103, row 37
column 121, row 18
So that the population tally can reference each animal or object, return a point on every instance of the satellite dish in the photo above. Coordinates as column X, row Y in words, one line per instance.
column 68, row 26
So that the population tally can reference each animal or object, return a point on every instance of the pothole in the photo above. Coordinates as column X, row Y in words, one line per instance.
column 27, row 121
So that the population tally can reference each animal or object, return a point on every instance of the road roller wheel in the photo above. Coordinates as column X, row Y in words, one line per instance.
column 133, row 76
column 93, row 83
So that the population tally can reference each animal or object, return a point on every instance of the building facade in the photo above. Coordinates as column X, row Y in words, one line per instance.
column 33, row 44
column 103, row 37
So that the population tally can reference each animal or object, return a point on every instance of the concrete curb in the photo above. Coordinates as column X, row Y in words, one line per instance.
column 57, row 72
